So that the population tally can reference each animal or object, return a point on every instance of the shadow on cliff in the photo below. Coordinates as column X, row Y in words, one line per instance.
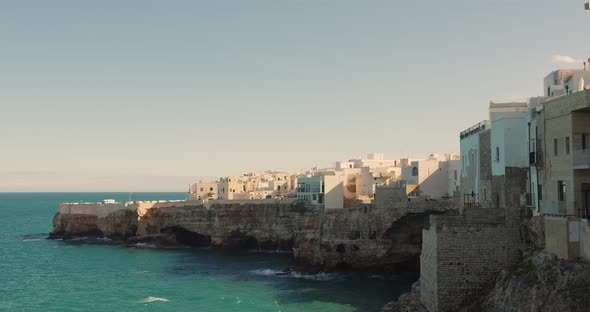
column 183, row 236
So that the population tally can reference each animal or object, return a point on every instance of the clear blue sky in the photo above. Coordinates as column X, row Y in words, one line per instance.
column 148, row 95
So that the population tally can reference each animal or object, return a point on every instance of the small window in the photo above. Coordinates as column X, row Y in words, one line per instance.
column 540, row 191
column 555, row 147
column 567, row 145
column 415, row 171
column 485, row 194
column 202, row 189
column 497, row 154
column 455, row 174
column 584, row 141
column 315, row 196
column 561, row 191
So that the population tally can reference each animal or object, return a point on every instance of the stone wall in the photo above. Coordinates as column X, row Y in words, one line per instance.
column 460, row 255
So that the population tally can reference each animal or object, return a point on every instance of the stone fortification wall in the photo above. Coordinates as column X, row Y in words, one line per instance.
column 460, row 255
column 94, row 209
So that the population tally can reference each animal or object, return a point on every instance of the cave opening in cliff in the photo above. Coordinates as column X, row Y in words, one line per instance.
column 186, row 237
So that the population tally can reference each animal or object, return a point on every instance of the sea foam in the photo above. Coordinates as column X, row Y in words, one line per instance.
column 154, row 299
column 293, row 274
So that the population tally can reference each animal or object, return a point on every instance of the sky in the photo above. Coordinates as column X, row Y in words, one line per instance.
column 143, row 95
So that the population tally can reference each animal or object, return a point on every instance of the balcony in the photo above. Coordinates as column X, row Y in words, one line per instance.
column 536, row 158
column 582, row 159
column 555, row 208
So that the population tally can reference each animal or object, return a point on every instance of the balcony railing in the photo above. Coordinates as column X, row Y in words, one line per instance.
column 582, row 159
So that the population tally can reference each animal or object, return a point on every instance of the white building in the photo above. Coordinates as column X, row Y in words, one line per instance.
column 566, row 81
column 509, row 130
column 434, row 176
column 322, row 192
column 476, row 168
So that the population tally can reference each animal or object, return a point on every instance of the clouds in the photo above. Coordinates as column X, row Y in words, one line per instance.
column 558, row 58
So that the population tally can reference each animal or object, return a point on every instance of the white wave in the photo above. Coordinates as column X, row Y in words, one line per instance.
column 154, row 299
column 266, row 272
column 144, row 245
column 316, row 277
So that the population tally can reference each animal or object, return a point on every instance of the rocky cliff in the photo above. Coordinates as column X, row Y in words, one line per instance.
column 358, row 238
column 540, row 283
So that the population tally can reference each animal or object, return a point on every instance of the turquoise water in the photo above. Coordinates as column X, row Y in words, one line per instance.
column 37, row 274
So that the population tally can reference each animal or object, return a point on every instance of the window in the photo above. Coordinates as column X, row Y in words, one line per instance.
column 455, row 173
column 202, row 190
column 320, row 198
column 497, row 154
column 211, row 189
column 561, row 190
column 548, row 91
column 567, row 145
column 584, row 141
column 415, row 171
column 555, row 147
column 485, row 194
column 315, row 196
column 540, row 191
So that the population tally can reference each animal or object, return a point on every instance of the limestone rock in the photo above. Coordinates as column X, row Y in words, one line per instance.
column 540, row 283
column 360, row 238
column 408, row 302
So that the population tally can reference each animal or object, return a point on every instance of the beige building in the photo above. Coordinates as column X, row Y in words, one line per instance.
column 233, row 188
column 565, row 200
column 204, row 190
column 567, row 160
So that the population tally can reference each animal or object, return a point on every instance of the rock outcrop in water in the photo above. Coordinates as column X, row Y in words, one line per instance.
column 361, row 238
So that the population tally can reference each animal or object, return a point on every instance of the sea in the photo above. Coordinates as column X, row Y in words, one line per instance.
column 37, row 274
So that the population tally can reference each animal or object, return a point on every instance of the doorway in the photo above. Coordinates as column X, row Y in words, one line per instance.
column 585, row 201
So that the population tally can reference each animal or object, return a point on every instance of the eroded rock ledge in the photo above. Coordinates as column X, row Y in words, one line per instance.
column 361, row 238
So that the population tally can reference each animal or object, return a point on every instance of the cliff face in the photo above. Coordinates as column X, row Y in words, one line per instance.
column 336, row 239
column 118, row 225
column 539, row 283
